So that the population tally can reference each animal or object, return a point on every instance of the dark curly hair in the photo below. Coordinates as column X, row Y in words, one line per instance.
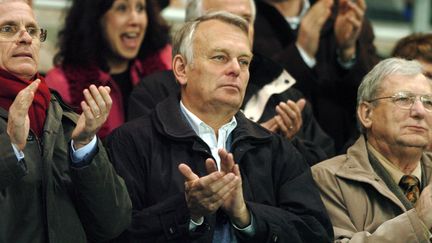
column 414, row 46
column 81, row 41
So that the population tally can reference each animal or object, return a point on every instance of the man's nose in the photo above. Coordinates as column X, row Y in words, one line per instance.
column 24, row 37
column 235, row 66
column 418, row 109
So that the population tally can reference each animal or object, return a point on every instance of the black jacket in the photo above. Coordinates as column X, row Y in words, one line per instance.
column 331, row 89
column 277, row 183
column 312, row 142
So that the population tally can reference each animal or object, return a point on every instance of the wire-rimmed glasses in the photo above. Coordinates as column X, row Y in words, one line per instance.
column 405, row 100
column 9, row 32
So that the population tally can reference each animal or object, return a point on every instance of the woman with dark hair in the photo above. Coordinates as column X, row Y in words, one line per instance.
column 417, row 46
column 112, row 43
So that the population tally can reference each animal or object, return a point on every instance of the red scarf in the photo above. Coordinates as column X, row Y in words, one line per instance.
column 11, row 85
column 81, row 78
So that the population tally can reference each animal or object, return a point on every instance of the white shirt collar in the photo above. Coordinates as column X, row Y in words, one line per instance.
column 207, row 134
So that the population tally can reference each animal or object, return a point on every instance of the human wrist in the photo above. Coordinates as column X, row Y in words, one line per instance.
column 241, row 219
column 79, row 143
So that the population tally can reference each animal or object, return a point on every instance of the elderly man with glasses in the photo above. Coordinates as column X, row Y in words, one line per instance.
column 380, row 190
column 57, row 184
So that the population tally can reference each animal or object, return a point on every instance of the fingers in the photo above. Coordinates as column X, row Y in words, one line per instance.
column 99, row 100
column 290, row 114
column 353, row 12
column 311, row 24
column 227, row 161
column 211, row 183
column 283, row 128
column 91, row 103
column 33, row 86
column 24, row 98
column 356, row 23
column 270, row 125
column 106, row 101
column 236, row 170
column 205, row 195
column 301, row 103
column 211, row 166
column 18, row 111
column 187, row 172
column 361, row 4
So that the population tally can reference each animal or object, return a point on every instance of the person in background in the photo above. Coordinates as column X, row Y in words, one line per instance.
column 270, row 98
column 380, row 191
column 56, row 181
column 198, row 170
column 112, row 43
column 417, row 46
column 327, row 46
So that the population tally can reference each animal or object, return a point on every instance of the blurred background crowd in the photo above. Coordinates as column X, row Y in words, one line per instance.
column 391, row 20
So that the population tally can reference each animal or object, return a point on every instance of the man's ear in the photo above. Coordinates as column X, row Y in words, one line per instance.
column 365, row 113
column 179, row 68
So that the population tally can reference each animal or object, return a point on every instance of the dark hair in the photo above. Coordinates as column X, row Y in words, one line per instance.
column 81, row 41
column 415, row 46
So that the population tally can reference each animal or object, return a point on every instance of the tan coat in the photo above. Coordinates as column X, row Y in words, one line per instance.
column 359, row 203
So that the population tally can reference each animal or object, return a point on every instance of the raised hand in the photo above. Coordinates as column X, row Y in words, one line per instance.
column 311, row 25
column 348, row 26
column 18, row 125
column 96, row 108
column 288, row 120
column 206, row 195
column 234, row 205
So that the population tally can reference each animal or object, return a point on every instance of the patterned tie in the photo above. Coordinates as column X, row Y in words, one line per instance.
column 410, row 186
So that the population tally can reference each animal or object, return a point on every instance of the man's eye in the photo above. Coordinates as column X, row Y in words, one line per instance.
column 403, row 100
column 244, row 62
column 219, row 58
column 7, row 29
column 32, row 31
column 427, row 102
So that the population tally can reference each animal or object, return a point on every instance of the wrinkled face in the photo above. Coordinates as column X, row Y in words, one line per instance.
column 402, row 127
column 19, row 54
column 241, row 8
column 124, row 26
column 219, row 73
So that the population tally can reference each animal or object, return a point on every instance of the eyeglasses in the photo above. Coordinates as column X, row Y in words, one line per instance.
column 9, row 32
column 405, row 100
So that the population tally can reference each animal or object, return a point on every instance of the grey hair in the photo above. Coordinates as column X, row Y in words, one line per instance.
column 371, row 84
column 194, row 9
column 183, row 38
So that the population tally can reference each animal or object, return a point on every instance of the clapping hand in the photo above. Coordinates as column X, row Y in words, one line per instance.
column 96, row 107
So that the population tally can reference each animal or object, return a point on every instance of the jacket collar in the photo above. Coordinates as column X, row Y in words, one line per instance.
column 358, row 168
column 168, row 119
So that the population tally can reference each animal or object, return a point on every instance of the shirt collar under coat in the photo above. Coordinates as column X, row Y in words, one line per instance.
column 169, row 120
column 358, row 168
